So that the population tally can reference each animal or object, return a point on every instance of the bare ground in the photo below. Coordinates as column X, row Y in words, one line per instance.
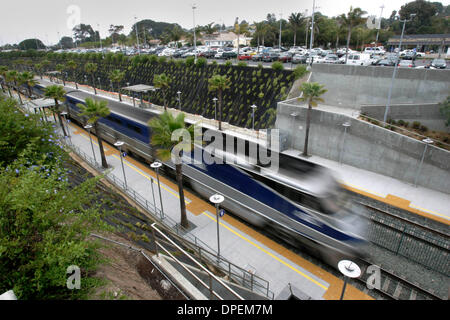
column 129, row 276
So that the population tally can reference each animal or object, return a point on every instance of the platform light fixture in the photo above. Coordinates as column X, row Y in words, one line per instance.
column 156, row 166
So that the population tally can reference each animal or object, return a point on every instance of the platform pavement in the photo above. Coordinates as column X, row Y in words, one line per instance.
column 426, row 202
column 239, row 244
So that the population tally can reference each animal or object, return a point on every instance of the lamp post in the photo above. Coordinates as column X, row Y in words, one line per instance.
column 179, row 100
column 156, row 165
column 350, row 270
column 279, row 40
column 379, row 26
column 119, row 145
column 195, row 37
column 88, row 127
column 253, row 116
column 85, row 79
column 217, row 199
column 215, row 108
column 427, row 141
column 394, row 73
column 64, row 114
column 137, row 36
column 345, row 125
column 293, row 115
column 99, row 83
column 100, row 39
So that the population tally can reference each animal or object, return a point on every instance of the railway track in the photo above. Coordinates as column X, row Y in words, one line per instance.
column 422, row 243
column 395, row 287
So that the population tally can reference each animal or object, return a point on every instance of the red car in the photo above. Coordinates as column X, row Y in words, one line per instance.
column 245, row 56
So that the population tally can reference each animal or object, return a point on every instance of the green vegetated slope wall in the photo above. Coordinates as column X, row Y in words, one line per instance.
column 249, row 85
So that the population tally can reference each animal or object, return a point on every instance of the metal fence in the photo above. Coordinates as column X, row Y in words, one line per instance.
column 239, row 275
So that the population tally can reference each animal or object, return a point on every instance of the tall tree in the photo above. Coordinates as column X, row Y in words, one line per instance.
column 11, row 78
column 56, row 93
column 114, row 32
column 27, row 78
column 296, row 20
column 352, row 19
column 311, row 95
column 116, row 76
column 162, row 81
column 3, row 71
column 95, row 110
column 219, row 84
column 91, row 68
column 163, row 128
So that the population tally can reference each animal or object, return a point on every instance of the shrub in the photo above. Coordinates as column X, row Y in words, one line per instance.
column 261, row 95
column 242, row 64
column 228, row 64
column 153, row 58
column 201, row 62
column 423, row 128
column 260, row 66
column 401, row 122
column 162, row 59
column 416, row 125
column 190, row 61
column 299, row 72
column 277, row 65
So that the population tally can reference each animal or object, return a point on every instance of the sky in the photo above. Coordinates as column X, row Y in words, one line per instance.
column 49, row 20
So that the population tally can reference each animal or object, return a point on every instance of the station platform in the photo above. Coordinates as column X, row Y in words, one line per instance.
column 239, row 244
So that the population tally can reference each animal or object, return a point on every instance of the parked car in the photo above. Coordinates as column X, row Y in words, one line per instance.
column 299, row 58
column 406, row 64
column 245, row 56
column 285, row 57
column 207, row 54
column 330, row 58
column 438, row 64
column 358, row 59
column 229, row 55
column 386, row 63
column 270, row 56
column 257, row 57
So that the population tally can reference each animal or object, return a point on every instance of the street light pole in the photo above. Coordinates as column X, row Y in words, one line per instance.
column 100, row 39
column 293, row 115
column 379, row 26
column 312, row 26
column 345, row 125
column 350, row 270
column 119, row 144
column 137, row 36
column 412, row 15
column 217, row 199
column 156, row 165
column 195, row 37
column 179, row 100
column 253, row 116
column 427, row 141
column 88, row 127
column 215, row 108
column 279, row 40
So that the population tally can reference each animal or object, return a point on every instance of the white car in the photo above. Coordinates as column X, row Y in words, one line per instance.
column 358, row 59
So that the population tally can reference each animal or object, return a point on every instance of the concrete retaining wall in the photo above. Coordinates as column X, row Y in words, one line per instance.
column 367, row 146
column 352, row 86
column 427, row 114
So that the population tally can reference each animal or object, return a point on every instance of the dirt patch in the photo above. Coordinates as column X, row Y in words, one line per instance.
column 130, row 276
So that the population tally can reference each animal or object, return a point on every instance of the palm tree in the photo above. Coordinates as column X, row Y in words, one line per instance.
column 11, row 77
column 296, row 20
column 94, row 110
column 352, row 19
column 220, row 84
column 39, row 67
column 311, row 94
column 3, row 71
column 28, row 79
column 57, row 93
column 91, row 68
column 116, row 76
column 72, row 66
column 162, row 81
column 162, row 129
column 339, row 24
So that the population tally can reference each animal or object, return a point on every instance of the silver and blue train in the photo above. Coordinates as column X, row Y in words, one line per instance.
column 301, row 203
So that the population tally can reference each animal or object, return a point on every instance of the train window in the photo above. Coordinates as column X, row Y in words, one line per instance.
column 134, row 128
column 114, row 119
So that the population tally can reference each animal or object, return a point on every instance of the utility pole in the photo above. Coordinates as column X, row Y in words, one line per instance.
column 312, row 26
